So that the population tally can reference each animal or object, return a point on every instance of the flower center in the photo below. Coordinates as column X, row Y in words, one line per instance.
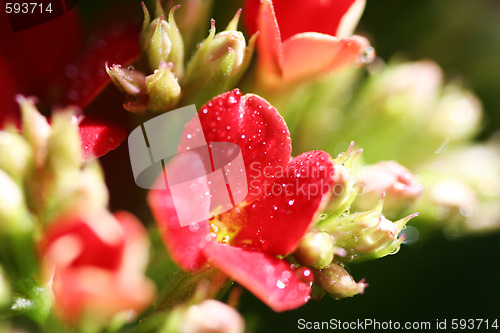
column 228, row 224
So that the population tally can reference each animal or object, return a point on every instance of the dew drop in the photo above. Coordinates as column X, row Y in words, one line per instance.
column 305, row 275
column 194, row 227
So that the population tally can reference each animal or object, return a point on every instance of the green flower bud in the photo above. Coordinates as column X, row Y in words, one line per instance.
column 64, row 146
column 12, row 208
column 162, row 42
column 218, row 64
column 337, row 282
column 5, row 293
column 163, row 88
column 316, row 250
column 17, row 253
column 367, row 235
column 127, row 80
column 400, row 186
column 77, row 189
column 36, row 129
column 192, row 19
column 17, row 157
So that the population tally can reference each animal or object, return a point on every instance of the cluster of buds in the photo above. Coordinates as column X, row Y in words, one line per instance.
column 60, row 245
column 216, row 66
column 340, row 237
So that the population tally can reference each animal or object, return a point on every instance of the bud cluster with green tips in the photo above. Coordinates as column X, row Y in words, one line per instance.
column 177, row 75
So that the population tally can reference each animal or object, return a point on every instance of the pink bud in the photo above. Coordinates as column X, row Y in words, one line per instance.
column 96, row 261
column 337, row 282
column 398, row 183
column 211, row 316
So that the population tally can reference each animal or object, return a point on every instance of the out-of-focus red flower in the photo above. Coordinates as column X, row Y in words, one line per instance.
column 97, row 262
column 56, row 63
column 284, row 197
column 299, row 39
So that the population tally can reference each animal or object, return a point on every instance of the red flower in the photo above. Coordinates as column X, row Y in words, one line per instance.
column 300, row 39
column 97, row 262
column 284, row 197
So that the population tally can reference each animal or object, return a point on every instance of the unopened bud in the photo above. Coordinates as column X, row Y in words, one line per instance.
column 83, row 189
column 456, row 117
column 337, row 282
column 5, row 293
column 398, row 183
column 162, row 42
column 192, row 18
column 16, row 231
column 219, row 63
column 211, row 316
column 413, row 85
column 367, row 235
column 316, row 250
column 344, row 191
column 16, row 155
column 36, row 129
column 127, row 80
column 163, row 88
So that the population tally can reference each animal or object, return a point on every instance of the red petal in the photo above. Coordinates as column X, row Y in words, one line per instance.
column 269, row 42
column 277, row 221
column 310, row 54
column 255, row 126
column 99, row 137
column 84, row 240
column 184, row 243
column 88, row 77
column 136, row 242
column 296, row 16
column 270, row 279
